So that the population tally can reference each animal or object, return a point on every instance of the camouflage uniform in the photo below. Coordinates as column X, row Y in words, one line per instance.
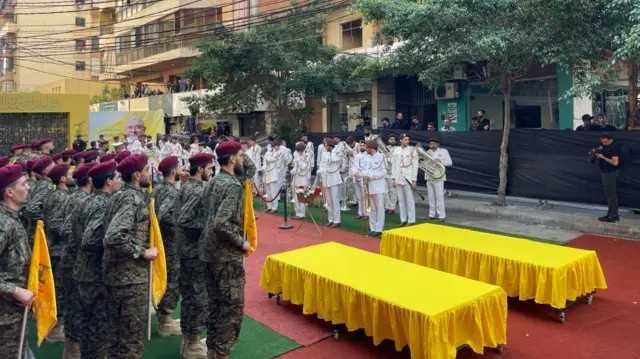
column 125, row 272
column 34, row 208
column 220, row 247
column 14, row 269
column 72, row 230
column 54, row 216
column 248, row 167
column 23, row 209
column 87, row 272
column 189, row 224
column 165, row 195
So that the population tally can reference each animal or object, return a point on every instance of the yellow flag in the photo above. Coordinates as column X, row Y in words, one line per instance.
column 41, row 284
column 250, row 228
column 159, row 265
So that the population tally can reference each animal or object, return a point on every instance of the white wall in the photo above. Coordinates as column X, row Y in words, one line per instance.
column 492, row 104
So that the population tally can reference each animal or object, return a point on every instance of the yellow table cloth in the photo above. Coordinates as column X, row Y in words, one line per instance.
column 547, row 273
column 431, row 311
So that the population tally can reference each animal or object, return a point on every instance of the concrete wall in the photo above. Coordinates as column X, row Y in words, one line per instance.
column 75, row 87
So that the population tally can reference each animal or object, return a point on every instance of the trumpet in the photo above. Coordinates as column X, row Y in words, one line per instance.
column 367, row 199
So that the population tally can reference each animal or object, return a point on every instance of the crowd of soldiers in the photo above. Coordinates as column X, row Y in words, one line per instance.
column 94, row 206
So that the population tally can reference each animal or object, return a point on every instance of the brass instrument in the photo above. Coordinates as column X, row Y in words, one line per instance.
column 367, row 199
column 428, row 164
column 388, row 156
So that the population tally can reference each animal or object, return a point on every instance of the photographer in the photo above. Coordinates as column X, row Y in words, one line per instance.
column 608, row 156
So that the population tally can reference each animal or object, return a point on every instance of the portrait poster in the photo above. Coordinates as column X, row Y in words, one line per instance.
column 126, row 125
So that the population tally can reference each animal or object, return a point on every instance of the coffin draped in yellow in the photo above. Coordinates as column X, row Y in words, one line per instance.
column 547, row 273
column 431, row 311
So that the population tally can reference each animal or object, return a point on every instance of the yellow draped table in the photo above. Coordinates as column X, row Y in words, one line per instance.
column 433, row 312
column 547, row 273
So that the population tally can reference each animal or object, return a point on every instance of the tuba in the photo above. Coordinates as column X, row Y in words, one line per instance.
column 384, row 150
column 428, row 164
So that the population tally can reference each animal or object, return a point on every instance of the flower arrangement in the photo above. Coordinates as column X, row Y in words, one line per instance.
column 309, row 195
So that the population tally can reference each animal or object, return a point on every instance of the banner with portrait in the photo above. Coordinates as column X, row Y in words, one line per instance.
column 126, row 125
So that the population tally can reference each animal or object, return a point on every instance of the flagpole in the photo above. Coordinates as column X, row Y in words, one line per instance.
column 149, row 300
column 23, row 329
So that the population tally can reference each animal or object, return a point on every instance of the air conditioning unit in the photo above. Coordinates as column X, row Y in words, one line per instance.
column 450, row 90
column 459, row 72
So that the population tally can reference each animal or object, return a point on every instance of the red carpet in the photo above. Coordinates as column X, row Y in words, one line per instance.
column 287, row 319
column 608, row 329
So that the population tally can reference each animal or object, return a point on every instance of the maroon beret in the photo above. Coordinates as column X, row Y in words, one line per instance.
column 103, row 169
column 108, row 157
column 57, row 157
column 122, row 155
column 43, row 141
column 133, row 163
column 227, row 148
column 24, row 165
column 9, row 174
column 82, row 172
column 168, row 163
column 34, row 145
column 41, row 164
column 30, row 164
column 4, row 161
column 17, row 147
column 68, row 153
column 201, row 159
column 91, row 155
column 79, row 155
column 58, row 171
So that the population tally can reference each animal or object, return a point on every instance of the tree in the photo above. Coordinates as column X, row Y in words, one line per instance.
column 507, row 36
column 280, row 61
column 108, row 95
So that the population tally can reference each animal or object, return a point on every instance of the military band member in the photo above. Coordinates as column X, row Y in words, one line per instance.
column 309, row 145
column 193, row 288
column 72, row 232
column 368, row 135
column 330, row 172
column 391, row 196
column 255, row 153
column 222, row 247
column 87, row 270
column 375, row 173
column 125, row 264
column 273, row 164
column 14, row 262
column 321, row 150
column 405, row 174
column 53, row 217
column 359, row 167
column 435, row 187
column 165, row 195
column 300, row 176
column 350, row 151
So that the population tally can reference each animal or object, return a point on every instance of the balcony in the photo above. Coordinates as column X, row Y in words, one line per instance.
column 106, row 5
column 8, row 28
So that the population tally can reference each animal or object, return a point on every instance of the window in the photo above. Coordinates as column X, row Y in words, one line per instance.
column 79, row 2
column 8, row 64
column 80, row 65
column 80, row 21
column 352, row 35
column 81, row 45
column 95, row 43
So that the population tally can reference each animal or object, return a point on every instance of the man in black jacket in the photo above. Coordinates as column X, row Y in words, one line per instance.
column 608, row 156
column 400, row 123
column 79, row 144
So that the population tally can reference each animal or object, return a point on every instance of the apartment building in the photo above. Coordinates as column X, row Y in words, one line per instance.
column 42, row 42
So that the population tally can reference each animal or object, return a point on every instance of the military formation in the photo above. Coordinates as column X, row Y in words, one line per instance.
column 95, row 209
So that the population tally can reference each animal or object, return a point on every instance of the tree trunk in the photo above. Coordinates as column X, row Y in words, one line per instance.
column 504, row 159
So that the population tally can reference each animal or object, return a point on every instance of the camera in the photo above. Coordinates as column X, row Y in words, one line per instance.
column 592, row 154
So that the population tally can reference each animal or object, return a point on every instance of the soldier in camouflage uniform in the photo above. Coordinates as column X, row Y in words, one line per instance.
column 125, row 265
column 14, row 262
column 72, row 231
column 189, row 224
column 165, row 194
column 42, row 189
column 222, row 247
column 87, row 270
column 43, row 148
column 53, row 217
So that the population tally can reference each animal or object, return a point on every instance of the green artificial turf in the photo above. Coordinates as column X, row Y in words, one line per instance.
column 350, row 224
column 256, row 341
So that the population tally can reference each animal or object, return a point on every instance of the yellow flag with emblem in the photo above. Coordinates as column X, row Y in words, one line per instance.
column 250, row 228
column 159, row 272
column 41, row 284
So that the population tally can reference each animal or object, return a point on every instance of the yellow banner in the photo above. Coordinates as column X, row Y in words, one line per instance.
column 250, row 228
column 41, row 284
column 159, row 265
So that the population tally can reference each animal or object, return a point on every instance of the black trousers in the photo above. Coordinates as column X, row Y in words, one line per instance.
column 609, row 180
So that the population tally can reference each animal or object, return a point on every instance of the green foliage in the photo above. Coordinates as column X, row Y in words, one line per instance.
column 280, row 61
column 108, row 95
